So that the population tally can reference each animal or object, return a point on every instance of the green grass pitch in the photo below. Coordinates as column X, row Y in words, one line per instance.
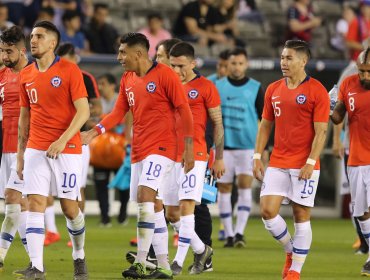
column 331, row 255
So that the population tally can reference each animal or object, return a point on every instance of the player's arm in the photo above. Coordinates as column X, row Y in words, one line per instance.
column 82, row 115
column 337, row 148
column 23, row 133
column 339, row 112
column 263, row 135
column 188, row 127
column 316, row 148
column 128, row 128
column 215, row 114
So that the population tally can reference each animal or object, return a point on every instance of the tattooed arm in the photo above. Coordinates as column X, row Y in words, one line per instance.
column 215, row 114
column 23, row 133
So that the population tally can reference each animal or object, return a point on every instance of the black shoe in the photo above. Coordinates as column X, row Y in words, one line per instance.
column 151, row 263
column 135, row 271
column 80, row 268
column 160, row 273
column 34, row 274
column 229, row 242
column 200, row 260
column 239, row 241
column 22, row 272
column 176, row 269
column 366, row 269
column 208, row 266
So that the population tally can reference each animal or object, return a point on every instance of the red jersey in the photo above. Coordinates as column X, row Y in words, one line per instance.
column 202, row 95
column 357, row 102
column 152, row 99
column 50, row 96
column 9, row 97
column 294, row 112
column 358, row 31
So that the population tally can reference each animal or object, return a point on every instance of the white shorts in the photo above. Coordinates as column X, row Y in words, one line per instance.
column 85, row 164
column 284, row 182
column 237, row 162
column 59, row 177
column 185, row 186
column 152, row 172
column 359, row 183
column 8, row 175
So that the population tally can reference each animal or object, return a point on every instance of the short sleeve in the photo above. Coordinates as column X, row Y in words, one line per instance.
column 76, row 83
column 212, row 99
column 189, row 11
column 341, row 93
column 173, row 88
column 322, row 105
column 268, row 110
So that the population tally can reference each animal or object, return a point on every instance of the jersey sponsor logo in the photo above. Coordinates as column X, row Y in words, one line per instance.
column 28, row 84
column 150, row 87
column 56, row 81
column 128, row 88
column 301, row 99
column 352, row 93
column 193, row 94
column 274, row 97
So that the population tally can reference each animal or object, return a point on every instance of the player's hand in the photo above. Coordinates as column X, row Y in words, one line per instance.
column 306, row 172
column 20, row 165
column 88, row 136
column 258, row 169
column 338, row 149
column 218, row 168
column 56, row 148
column 188, row 160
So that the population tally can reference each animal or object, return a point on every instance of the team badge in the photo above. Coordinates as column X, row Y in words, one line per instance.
column 301, row 99
column 56, row 81
column 150, row 87
column 193, row 94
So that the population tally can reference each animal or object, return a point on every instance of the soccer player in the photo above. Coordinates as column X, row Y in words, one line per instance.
column 54, row 107
column 353, row 99
column 299, row 106
column 242, row 105
column 153, row 92
column 186, row 189
column 14, row 56
column 221, row 67
column 163, row 50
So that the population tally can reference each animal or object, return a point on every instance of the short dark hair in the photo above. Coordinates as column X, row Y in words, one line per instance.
column 66, row 49
column 69, row 15
column 183, row 49
column 167, row 45
column 134, row 38
column 238, row 51
column 224, row 55
column 2, row 5
column 110, row 78
column 154, row 15
column 49, row 26
column 12, row 36
column 299, row 46
column 98, row 6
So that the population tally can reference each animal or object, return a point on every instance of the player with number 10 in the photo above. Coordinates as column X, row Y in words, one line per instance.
column 299, row 105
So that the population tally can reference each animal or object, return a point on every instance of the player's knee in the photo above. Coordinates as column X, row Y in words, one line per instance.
column 12, row 197
column 70, row 212
column 268, row 213
column 172, row 216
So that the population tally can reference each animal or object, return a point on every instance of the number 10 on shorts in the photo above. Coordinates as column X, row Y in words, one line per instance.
column 69, row 180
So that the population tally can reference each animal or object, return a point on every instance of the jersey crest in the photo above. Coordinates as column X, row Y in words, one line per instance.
column 301, row 99
column 150, row 87
column 56, row 81
column 193, row 94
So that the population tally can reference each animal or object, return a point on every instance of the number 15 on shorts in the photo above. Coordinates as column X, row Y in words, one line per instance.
column 308, row 188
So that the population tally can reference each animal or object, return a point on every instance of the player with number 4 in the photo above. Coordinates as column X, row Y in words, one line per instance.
column 299, row 106
column 354, row 100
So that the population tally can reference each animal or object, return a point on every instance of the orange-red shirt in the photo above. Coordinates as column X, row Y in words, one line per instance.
column 9, row 97
column 357, row 102
column 50, row 96
column 152, row 99
column 358, row 31
column 202, row 95
column 294, row 112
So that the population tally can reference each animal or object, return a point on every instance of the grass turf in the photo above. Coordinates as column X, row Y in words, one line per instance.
column 331, row 256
